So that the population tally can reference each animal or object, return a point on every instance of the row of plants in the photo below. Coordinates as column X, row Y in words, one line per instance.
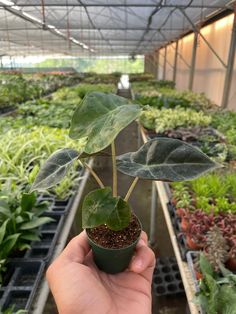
column 17, row 88
column 54, row 111
column 203, row 211
column 193, row 118
column 162, row 93
column 204, row 203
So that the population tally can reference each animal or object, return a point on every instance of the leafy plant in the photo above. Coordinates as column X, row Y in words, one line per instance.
column 19, row 224
column 99, row 119
column 162, row 120
column 217, row 290
column 22, row 151
column 200, row 223
column 216, row 248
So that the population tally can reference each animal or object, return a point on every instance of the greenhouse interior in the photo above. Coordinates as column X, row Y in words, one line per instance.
column 117, row 157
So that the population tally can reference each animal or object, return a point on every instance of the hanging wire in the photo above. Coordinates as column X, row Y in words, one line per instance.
column 43, row 13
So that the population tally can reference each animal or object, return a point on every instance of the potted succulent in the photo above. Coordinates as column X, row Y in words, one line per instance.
column 112, row 229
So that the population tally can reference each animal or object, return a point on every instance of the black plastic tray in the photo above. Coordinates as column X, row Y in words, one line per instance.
column 181, row 239
column 43, row 249
column 166, row 277
column 20, row 284
column 57, row 206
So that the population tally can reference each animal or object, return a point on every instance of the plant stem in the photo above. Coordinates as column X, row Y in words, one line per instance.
column 131, row 189
column 113, row 152
column 93, row 173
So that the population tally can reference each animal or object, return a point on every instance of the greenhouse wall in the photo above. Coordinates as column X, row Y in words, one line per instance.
column 161, row 64
column 209, row 74
column 170, row 59
column 184, row 61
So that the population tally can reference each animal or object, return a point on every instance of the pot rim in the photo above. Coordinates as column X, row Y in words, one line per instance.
column 117, row 249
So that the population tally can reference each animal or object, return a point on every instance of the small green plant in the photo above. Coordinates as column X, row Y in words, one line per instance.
column 99, row 119
column 19, row 224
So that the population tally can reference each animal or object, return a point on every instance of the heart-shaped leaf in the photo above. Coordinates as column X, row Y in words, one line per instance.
column 55, row 168
column 165, row 159
column 119, row 217
column 100, row 118
column 100, row 207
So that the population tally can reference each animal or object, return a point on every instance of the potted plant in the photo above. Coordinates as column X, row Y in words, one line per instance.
column 112, row 229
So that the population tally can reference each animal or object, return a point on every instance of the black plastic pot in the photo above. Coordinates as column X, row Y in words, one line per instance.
column 112, row 261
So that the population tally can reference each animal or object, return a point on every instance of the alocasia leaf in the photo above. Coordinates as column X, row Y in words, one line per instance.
column 55, row 168
column 165, row 159
column 100, row 118
column 100, row 207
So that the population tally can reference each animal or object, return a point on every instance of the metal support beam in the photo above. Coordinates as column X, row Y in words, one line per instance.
column 157, row 63
column 204, row 39
column 164, row 67
column 230, row 64
column 114, row 5
column 153, row 215
column 80, row 28
column 193, row 62
column 175, row 61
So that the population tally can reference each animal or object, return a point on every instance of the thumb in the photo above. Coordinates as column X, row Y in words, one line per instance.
column 77, row 249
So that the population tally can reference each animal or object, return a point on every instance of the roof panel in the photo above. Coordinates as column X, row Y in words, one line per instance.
column 98, row 26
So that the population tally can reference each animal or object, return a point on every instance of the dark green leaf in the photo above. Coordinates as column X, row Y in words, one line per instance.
column 28, row 201
column 36, row 222
column 100, row 207
column 8, row 244
column 119, row 217
column 30, row 236
column 165, row 159
column 100, row 118
column 55, row 168
column 23, row 246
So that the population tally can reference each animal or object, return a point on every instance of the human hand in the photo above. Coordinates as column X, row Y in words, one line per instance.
column 79, row 287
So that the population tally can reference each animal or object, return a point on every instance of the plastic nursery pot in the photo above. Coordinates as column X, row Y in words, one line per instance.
column 231, row 263
column 191, row 244
column 112, row 260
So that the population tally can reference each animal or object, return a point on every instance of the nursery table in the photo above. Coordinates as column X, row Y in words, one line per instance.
column 162, row 192
column 43, row 291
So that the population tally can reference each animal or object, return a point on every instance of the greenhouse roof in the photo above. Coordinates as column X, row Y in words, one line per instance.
column 98, row 27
